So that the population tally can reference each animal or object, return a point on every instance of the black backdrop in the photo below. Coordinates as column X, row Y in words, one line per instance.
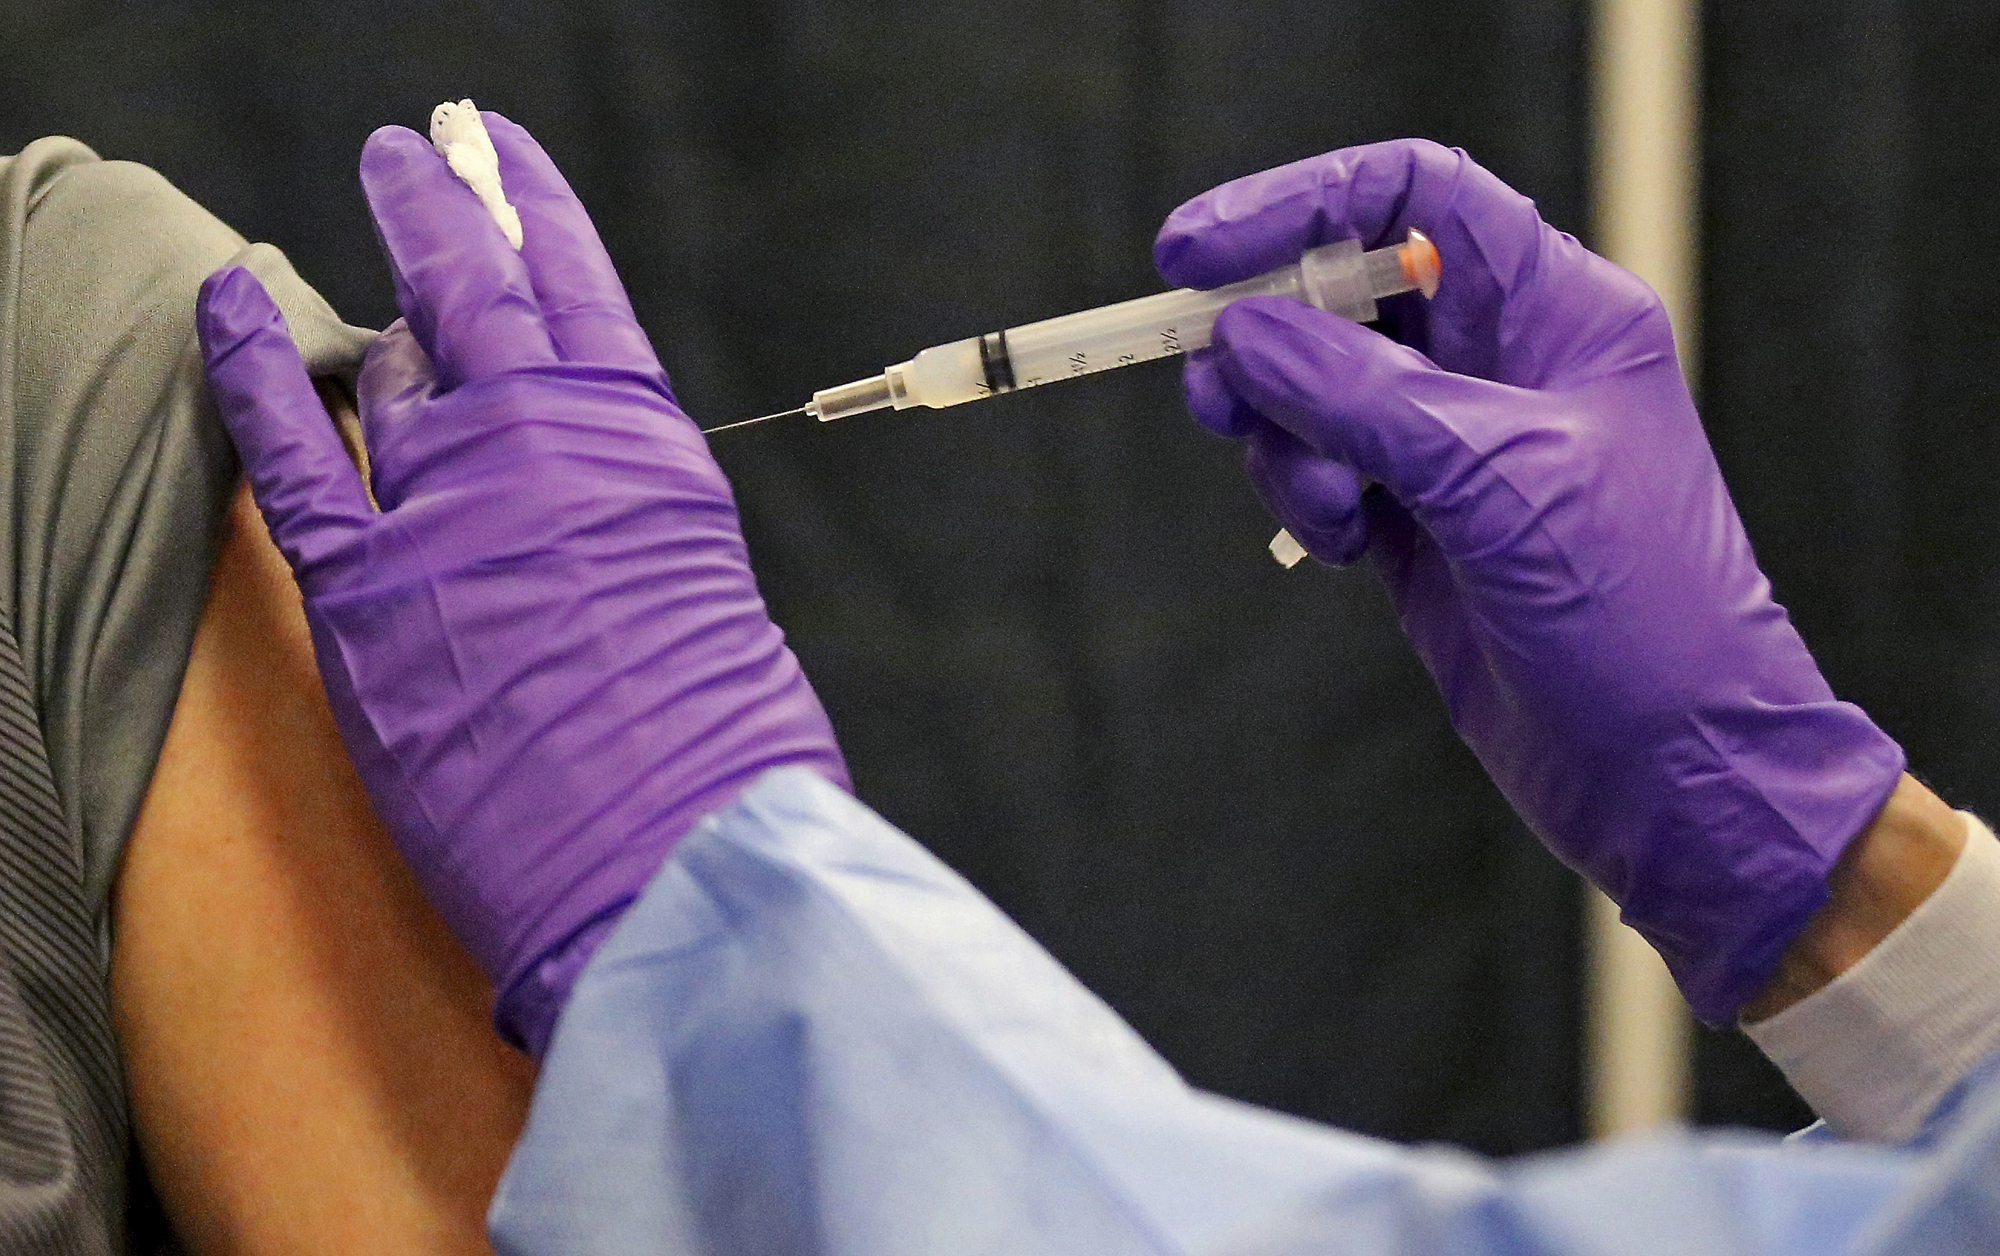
column 1852, row 360
column 1222, row 793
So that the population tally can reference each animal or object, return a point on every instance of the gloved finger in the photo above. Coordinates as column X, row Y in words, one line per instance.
column 1383, row 409
column 1210, row 400
column 396, row 378
column 1317, row 499
column 309, row 492
column 1374, row 193
column 1495, row 248
column 463, row 288
column 583, row 303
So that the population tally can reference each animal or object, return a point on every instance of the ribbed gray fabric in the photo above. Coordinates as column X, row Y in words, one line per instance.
column 62, row 1112
column 115, row 475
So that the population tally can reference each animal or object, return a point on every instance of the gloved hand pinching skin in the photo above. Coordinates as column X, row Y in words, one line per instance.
column 545, row 651
column 1529, row 476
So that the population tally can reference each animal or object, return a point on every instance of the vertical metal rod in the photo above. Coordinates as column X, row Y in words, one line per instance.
column 1645, row 195
column 1646, row 154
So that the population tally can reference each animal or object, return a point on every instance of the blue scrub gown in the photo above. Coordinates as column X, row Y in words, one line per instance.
column 810, row 1036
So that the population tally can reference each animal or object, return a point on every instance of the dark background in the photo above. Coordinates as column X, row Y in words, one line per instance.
column 1851, row 358
column 1223, row 794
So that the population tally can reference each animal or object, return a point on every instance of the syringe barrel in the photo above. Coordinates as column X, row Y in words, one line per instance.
column 1338, row 278
column 1110, row 336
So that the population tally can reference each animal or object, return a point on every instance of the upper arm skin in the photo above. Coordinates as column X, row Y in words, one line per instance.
column 309, row 1054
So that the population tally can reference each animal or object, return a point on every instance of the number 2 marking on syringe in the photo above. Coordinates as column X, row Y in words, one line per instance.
column 1170, row 339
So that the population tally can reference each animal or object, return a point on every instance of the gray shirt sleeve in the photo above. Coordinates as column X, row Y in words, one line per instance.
column 115, row 475
column 115, row 468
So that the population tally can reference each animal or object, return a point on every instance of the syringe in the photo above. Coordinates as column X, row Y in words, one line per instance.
column 1338, row 278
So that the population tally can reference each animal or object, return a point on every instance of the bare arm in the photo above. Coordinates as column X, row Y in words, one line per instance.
column 310, row 1059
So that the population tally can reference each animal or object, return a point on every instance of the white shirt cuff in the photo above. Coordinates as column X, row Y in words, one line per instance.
column 1876, row 1048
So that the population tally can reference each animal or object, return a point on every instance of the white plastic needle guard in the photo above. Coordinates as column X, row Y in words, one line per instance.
column 1286, row 550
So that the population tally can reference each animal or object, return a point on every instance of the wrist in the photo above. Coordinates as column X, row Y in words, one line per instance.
column 525, row 1013
column 555, row 954
column 1886, row 873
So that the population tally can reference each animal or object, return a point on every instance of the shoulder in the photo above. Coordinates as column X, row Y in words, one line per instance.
column 69, row 206
column 25, row 175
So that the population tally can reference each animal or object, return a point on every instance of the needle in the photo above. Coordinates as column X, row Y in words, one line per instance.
column 782, row 414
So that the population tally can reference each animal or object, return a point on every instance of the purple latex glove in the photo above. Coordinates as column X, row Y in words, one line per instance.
column 1558, row 542
column 545, row 652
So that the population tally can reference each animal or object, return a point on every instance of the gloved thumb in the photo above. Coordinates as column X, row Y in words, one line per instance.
column 1354, row 396
column 309, row 492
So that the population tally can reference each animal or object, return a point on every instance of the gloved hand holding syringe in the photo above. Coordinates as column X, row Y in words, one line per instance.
column 1339, row 278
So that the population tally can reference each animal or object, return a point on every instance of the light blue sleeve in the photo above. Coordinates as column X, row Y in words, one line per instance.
column 811, row 1037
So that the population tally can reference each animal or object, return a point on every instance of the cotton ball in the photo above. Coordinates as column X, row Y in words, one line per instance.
column 460, row 138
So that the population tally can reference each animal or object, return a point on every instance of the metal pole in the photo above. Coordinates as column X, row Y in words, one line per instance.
column 1644, row 174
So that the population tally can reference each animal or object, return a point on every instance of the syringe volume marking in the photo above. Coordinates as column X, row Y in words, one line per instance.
column 1170, row 339
column 1079, row 363
column 997, row 363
